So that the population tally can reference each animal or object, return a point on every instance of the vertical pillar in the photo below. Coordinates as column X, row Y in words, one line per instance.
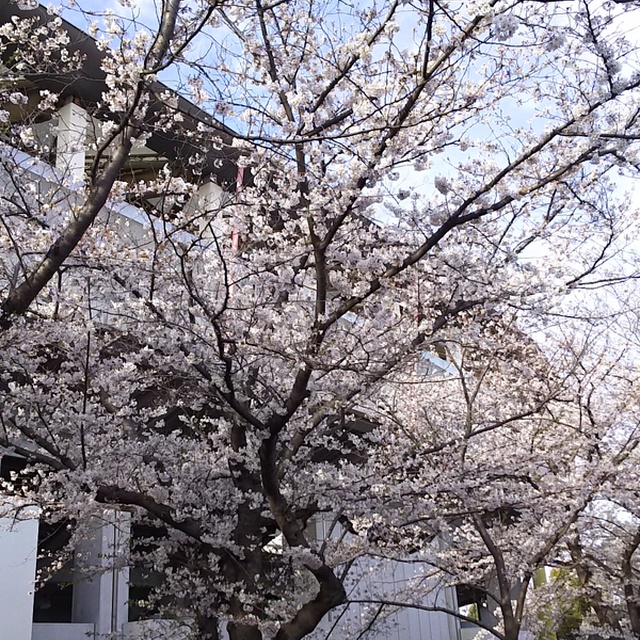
column 71, row 145
column 210, row 200
column 18, row 553
column 102, row 596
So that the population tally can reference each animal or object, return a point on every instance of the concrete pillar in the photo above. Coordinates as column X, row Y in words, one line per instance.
column 102, row 596
column 72, row 141
column 209, row 202
column 18, row 554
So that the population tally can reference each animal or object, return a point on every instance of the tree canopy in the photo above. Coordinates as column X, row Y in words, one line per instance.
column 365, row 268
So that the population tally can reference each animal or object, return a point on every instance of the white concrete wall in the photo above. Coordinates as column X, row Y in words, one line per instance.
column 62, row 631
column 382, row 579
column 102, row 598
column 378, row 579
column 155, row 630
column 72, row 134
column 18, row 552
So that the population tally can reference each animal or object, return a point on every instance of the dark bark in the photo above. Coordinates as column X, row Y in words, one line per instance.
column 607, row 617
column 331, row 595
column 331, row 591
column 243, row 632
column 505, row 588
column 631, row 595
column 21, row 297
column 163, row 512
column 207, row 628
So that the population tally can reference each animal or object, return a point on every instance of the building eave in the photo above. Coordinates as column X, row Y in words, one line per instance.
column 88, row 84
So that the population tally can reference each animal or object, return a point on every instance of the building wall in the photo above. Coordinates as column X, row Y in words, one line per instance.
column 18, row 552
column 62, row 631
column 383, row 579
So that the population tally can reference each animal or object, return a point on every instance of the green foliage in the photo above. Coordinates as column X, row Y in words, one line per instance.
column 573, row 608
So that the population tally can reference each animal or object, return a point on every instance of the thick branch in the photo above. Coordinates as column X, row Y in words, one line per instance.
column 331, row 592
column 511, row 626
column 630, row 590
column 112, row 494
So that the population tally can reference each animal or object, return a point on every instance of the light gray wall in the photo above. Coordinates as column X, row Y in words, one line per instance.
column 18, row 551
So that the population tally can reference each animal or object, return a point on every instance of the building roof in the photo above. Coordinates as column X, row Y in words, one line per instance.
column 88, row 83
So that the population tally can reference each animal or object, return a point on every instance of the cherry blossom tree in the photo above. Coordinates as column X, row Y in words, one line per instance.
column 406, row 319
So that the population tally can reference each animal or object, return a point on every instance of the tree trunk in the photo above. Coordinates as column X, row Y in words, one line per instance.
column 243, row 632
column 630, row 592
column 208, row 628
